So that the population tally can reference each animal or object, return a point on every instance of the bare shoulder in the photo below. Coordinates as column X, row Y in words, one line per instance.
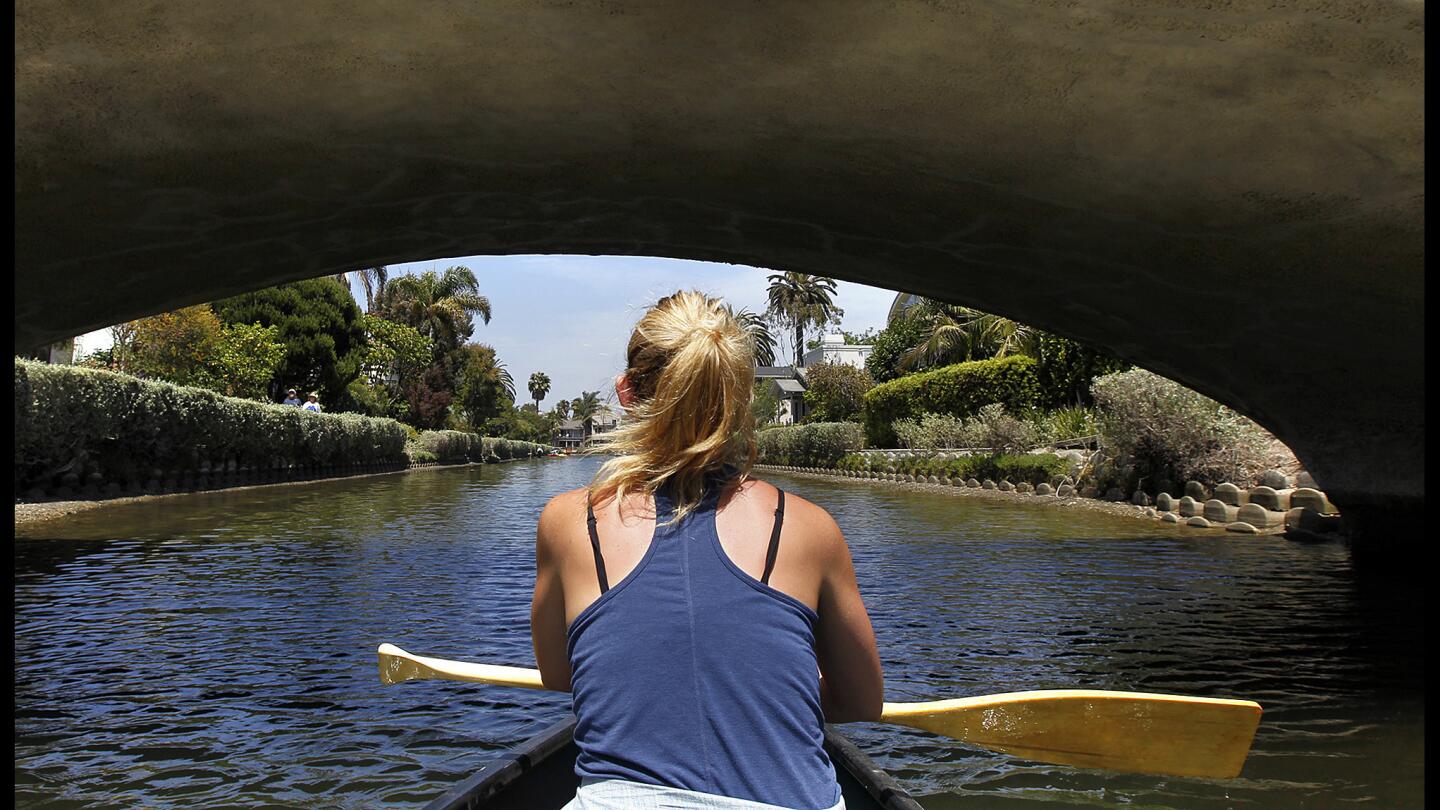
column 560, row 512
column 564, row 503
column 808, row 523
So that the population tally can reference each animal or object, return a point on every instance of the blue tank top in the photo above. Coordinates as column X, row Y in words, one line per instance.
column 690, row 673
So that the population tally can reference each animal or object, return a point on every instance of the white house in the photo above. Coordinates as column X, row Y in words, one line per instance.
column 571, row 433
column 833, row 349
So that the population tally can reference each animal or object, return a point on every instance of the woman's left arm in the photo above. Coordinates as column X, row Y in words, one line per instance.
column 547, row 609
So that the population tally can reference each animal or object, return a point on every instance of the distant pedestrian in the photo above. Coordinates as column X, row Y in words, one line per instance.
column 291, row 398
column 313, row 404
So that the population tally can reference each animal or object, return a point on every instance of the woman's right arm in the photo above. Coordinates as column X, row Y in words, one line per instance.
column 852, row 686
column 547, row 608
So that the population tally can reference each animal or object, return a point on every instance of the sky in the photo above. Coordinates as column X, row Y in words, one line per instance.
column 570, row 316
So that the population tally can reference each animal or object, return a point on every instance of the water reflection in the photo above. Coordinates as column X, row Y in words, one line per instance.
column 219, row 648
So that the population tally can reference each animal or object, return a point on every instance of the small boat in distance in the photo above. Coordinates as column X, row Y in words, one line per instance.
column 539, row 774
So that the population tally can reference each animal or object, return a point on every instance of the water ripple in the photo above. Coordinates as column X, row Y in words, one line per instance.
column 219, row 649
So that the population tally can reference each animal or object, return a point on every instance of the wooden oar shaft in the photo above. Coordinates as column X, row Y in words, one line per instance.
column 1123, row 731
column 397, row 666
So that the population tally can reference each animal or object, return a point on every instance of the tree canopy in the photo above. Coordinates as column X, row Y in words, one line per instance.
column 319, row 324
column 484, row 387
column 835, row 392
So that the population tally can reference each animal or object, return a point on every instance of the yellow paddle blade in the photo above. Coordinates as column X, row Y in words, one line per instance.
column 1115, row 731
column 398, row 666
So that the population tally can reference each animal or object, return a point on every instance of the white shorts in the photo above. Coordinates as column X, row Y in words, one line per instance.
column 618, row 794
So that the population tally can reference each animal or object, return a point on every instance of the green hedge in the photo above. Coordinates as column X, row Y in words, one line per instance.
column 77, row 420
column 819, row 444
column 960, row 390
column 457, row 446
column 1033, row 468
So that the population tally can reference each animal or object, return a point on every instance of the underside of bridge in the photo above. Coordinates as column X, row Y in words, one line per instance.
column 1229, row 194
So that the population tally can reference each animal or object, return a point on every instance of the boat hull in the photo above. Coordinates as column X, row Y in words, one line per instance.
column 539, row 774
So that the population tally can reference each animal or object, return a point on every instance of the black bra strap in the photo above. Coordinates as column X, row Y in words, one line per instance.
column 774, row 538
column 595, row 545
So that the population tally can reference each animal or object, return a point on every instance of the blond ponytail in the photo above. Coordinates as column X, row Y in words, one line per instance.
column 690, row 370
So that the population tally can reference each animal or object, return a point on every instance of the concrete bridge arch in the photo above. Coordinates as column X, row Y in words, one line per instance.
column 1227, row 194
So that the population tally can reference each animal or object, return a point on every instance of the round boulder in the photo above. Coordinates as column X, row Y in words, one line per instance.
column 1164, row 502
column 1257, row 515
column 1275, row 500
column 1306, row 498
column 1044, row 489
column 1218, row 511
column 1169, row 517
column 1198, row 522
column 1273, row 479
column 1005, row 486
column 1196, row 490
column 972, row 483
column 988, row 484
column 1241, row 527
column 1065, row 490
column 1229, row 494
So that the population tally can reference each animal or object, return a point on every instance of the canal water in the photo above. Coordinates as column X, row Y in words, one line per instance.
column 219, row 649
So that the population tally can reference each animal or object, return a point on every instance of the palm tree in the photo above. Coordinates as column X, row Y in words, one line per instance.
column 539, row 387
column 956, row 334
column 759, row 331
column 507, row 383
column 562, row 409
column 801, row 301
column 1002, row 335
column 440, row 306
column 373, row 280
column 585, row 407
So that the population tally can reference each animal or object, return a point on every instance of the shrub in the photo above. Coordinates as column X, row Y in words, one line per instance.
column 1001, row 432
column 454, row 446
column 450, row 445
column 1029, row 468
column 1164, row 431
column 72, row 419
column 835, row 392
column 933, row 431
column 1059, row 425
column 960, row 390
column 818, row 444
column 1032, row 468
column 1066, row 369
column 992, row 428
column 418, row 454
